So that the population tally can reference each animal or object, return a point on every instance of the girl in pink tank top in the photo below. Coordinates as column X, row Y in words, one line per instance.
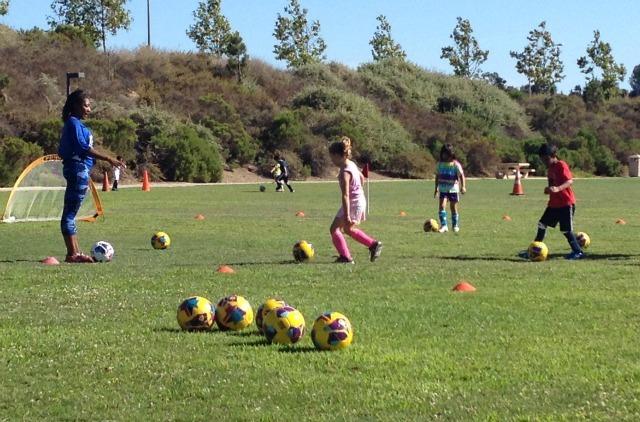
column 354, row 205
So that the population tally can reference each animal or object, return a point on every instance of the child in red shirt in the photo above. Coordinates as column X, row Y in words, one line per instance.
column 562, row 202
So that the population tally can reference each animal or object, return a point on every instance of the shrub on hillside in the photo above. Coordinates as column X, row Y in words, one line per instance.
column 15, row 156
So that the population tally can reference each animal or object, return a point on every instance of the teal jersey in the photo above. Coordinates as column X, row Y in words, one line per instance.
column 448, row 175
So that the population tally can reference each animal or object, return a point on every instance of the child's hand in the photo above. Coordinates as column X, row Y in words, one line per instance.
column 435, row 193
column 463, row 190
column 554, row 189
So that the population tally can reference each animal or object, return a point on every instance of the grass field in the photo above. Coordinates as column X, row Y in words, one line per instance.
column 553, row 340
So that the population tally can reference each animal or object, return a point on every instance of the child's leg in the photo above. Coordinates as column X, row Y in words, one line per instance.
column 442, row 210
column 360, row 237
column 338, row 238
column 566, row 225
column 542, row 231
column 455, row 216
column 286, row 182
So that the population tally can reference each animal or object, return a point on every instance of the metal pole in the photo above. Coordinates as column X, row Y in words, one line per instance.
column 148, row 24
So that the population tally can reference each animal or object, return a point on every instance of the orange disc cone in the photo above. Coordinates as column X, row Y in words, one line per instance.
column 463, row 286
column 506, row 218
column 146, row 186
column 199, row 217
column 106, row 186
column 403, row 214
column 621, row 221
column 225, row 269
column 300, row 214
column 50, row 260
column 517, row 185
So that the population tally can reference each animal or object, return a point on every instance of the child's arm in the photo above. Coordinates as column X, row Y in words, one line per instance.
column 435, row 191
column 565, row 185
column 345, row 178
column 463, row 181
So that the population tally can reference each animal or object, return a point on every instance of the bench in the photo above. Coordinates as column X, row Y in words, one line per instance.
column 504, row 170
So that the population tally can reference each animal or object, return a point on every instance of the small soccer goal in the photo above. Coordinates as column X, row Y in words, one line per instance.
column 38, row 194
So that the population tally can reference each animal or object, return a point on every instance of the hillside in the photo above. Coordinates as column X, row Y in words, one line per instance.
column 186, row 118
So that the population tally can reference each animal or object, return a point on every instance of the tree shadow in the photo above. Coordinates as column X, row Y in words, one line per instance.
column 259, row 343
column 554, row 256
column 481, row 258
column 250, row 263
column 15, row 261
column 609, row 256
column 244, row 333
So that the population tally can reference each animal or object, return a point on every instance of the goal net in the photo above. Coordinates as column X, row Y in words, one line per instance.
column 38, row 194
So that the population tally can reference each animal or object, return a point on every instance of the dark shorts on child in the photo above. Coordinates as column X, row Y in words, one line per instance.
column 451, row 196
column 564, row 216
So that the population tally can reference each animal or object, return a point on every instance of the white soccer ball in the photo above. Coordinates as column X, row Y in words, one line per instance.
column 102, row 251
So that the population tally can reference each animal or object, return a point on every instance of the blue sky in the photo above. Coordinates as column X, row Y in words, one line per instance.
column 422, row 27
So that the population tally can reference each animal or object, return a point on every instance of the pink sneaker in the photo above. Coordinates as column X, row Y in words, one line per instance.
column 79, row 258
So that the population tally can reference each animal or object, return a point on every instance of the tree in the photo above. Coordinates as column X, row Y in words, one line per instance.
column 600, row 56
column 236, row 52
column 495, row 79
column 95, row 17
column 540, row 61
column 634, row 80
column 384, row 46
column 298, row 42
column 4, row 7
column 211, row 28
column 466, row 56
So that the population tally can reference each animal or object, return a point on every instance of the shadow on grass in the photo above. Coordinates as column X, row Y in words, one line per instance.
column 481, row 258
column 262, row 342
column 588, row 257
column 243, row 333
column 299, row 349
column 15, row 261
column 178, row 330
column 248, row 264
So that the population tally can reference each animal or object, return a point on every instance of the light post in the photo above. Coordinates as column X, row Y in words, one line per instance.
column 72, row 75
column 148, row 24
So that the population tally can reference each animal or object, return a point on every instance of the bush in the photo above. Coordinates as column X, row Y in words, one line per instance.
column 117, row 135
column 15, row 156
column 287, row 131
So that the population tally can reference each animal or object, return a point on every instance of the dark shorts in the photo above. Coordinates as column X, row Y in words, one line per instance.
column 564, row 216
column 451, row 196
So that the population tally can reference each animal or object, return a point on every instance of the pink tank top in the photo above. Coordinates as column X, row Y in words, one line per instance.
column 355, row 185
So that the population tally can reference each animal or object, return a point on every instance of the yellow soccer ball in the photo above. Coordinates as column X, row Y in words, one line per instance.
column 264, row 309
column 538, row 251
column 233, row 313
column 284, row 325
column 303, row 251
column 196, row 314
column 332, row 331
column 583, row 240
column 431, row 225
column 160, row 240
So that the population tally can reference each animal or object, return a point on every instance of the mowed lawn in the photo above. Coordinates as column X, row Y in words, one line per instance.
column 553, row 340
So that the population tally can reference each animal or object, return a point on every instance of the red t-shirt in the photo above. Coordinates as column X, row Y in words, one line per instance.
column 558, row 174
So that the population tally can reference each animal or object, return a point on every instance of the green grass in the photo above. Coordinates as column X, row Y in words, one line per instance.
column 553, row 340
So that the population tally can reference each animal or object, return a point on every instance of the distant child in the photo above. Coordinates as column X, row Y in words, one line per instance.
column 562, row 202
column 281, row 173
column 353, row 207
column 450, row 183
column 116, row 174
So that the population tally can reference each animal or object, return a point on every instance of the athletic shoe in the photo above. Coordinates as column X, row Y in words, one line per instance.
column 443, row 229
column 456, row 229
column 375, row 250
column 79, row 258
column 344, row 260
column 574, row 256
column 279, row 190
column 523, row 254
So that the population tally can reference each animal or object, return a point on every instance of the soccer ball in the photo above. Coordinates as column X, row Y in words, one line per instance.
column 160, row 240
column 263, row 188
column 284, row 325
column 332, row 331
column 583, row 239
column 431, row 225
column 264, row 309
column 303, row 251
column 102, row 251
column 196, row 314
column 233, row 313
column 538, row 251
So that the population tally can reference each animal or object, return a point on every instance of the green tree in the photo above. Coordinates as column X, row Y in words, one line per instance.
column 299, row 43
column 237, row 57
column 383, row 45
column 634, row 80
column 211, row 28
column 540, row 61
column 600, row 56
column 96, row 18
column 466, row 56
column 4, row 7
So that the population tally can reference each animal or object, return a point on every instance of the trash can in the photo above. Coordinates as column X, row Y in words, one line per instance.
column 634, row 165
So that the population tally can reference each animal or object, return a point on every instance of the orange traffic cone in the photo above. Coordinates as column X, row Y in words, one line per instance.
column 146, row 186
column 463, row 286
column 106, row 187
column 517, row 184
